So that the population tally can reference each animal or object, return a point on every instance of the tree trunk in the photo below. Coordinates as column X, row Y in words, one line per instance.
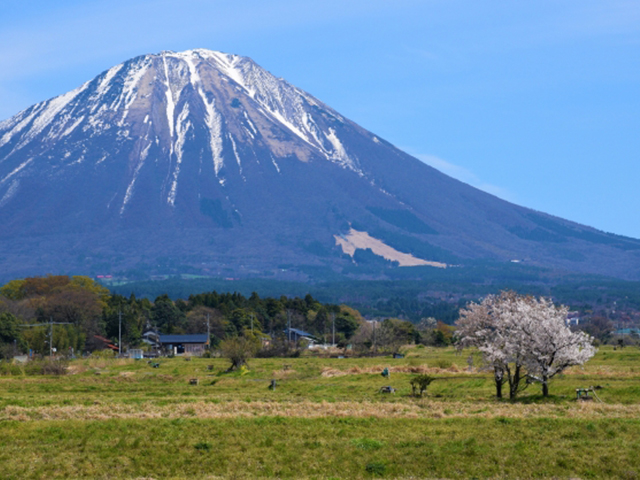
column 545, row 387
column 498, row 376
column 514, row 382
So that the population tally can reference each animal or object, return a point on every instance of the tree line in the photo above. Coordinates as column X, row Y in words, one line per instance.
column 69, row 313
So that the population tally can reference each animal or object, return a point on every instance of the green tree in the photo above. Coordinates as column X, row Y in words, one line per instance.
column 239, row 349
column 10, row 335
column 168, row 317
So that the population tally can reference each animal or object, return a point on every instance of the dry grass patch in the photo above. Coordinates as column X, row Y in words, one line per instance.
column 103, row 363
column 305, row 409
column 283, row 373
column 329, row 372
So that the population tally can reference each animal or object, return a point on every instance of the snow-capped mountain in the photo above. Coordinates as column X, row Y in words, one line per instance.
column 203, row 161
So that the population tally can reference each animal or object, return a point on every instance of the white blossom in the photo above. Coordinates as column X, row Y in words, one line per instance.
column 522, row 336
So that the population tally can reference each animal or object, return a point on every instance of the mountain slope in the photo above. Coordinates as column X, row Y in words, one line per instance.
column 204, row 162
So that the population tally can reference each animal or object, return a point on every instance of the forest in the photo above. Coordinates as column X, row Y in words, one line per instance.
column 72, row 315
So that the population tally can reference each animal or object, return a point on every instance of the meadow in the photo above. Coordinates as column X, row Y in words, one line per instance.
column 117, row 418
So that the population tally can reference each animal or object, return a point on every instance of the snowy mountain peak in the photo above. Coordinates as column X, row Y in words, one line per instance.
column 161, row 97
column 203, row 107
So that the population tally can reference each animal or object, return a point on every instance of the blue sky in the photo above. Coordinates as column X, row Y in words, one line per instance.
column 536, row 102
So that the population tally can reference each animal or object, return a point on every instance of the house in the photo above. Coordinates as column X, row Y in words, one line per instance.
column 194, row 344
column 101, row 343
column 295, row 334
column 151, row 338
column 573, row 319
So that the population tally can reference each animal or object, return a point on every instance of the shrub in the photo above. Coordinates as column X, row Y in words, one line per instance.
column 376, row 468
column 203, row 446
column 420, row 383
column 7, row 368
column 238, row 350
column 46, row 367
column 54, row 367
column 442, row 363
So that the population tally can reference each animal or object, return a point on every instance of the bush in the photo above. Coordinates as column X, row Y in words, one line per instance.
column 46, row 367
column 203, row 446
column 442, row 363
column 55, row 367
column 420, row 383
column 7, row 368
column 376, row 468
column 238, row 350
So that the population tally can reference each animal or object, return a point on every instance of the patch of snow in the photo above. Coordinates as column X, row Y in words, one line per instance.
column 51, row 109
column 250, row 123
column 11, row 191
column 72, row 127
column 235, row 152
column 182, row 127
column 104, row 84
column 16, row 170
column 145, row 152
column 230, row 66
column 212, row 117
column 289, row 125
column 78, row 161
column 130, row 87
column 273, row 160
column 21, row 120
column 170, row 103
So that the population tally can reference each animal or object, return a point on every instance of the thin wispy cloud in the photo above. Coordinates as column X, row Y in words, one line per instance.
column 465, row 175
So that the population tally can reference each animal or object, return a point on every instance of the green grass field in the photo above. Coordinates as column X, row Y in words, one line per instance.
column 326, row 419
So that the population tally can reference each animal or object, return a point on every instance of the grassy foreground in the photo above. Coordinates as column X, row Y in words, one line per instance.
column 326, row 419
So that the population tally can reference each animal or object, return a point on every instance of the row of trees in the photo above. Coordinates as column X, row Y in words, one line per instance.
column 522, row 339
column 80, row 309
column 74, row 304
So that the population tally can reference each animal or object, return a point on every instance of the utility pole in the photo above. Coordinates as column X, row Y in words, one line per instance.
column 208, row 331
column 374, row 335
column 289, row 324
column 51, row 336
column 120, row 333
column 49, row 324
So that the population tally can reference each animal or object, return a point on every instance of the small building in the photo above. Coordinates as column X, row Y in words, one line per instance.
column 136, row 353
column 194, row 344
column 151, row 338
column 101, row 343
column 295, row 335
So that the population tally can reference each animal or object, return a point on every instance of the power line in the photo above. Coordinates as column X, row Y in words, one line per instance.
column 50, row 324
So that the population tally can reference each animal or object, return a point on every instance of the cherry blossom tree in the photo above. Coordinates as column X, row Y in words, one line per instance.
column 551, row 345
column 490, row 327
column 522, row 338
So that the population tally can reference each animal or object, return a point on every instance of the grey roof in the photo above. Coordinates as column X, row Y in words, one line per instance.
column 300, row 333
column 175, row 339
